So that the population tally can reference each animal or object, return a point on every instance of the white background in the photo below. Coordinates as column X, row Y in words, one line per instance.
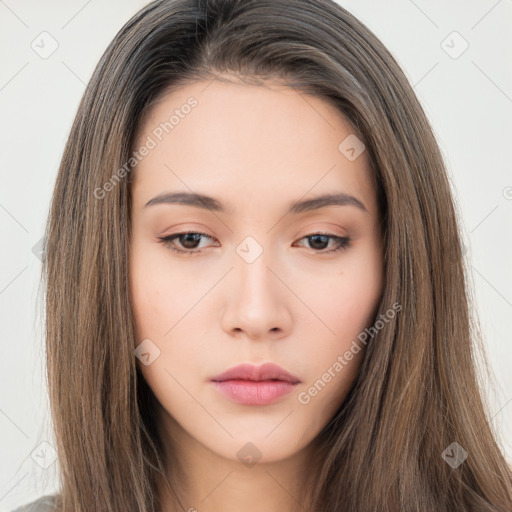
column 468, row 100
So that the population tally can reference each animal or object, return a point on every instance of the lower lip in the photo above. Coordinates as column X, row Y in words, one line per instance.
column 254, row 393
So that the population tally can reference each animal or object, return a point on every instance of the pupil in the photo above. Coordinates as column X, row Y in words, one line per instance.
column 190, row 237
column 316, row 237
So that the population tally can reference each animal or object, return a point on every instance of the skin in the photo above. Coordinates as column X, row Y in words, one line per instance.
column 256, row 149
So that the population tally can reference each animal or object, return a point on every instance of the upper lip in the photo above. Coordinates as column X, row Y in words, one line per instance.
column 267, row 371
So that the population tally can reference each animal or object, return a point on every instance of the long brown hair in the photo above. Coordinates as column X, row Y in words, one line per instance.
column 418, row 390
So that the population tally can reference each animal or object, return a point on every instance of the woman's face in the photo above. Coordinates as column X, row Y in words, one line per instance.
column 254, row 285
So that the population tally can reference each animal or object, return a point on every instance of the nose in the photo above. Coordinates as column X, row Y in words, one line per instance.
column 257, row 300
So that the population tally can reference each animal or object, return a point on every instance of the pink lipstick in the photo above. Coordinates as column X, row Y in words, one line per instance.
column 255, row 385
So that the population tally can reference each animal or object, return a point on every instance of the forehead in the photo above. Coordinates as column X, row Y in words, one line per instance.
column 248, row 143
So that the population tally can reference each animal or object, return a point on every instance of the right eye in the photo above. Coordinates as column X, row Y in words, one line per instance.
column 188, row 240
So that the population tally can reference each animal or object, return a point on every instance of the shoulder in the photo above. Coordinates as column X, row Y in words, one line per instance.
column 43, row 504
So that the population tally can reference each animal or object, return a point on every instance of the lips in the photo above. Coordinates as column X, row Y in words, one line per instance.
column 249, row 372
column 247, row 384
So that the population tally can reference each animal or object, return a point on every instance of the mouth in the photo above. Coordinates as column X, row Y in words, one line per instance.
column 255, row 385
column 249, row 372
column 249, row 392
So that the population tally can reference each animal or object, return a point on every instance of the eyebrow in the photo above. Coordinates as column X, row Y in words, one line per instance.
column 210, row 203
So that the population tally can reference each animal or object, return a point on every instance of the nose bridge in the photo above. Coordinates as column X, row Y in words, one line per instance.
column 251, row 268
column 256, row 300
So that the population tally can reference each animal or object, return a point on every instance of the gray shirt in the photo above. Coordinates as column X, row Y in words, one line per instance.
column 43, row 504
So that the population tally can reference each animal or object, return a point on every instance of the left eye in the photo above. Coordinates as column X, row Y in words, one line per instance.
column 189, row 241
column 322, row 239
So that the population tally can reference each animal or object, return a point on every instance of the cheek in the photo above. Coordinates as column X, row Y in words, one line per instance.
column 161, row 294
column 345, row 314
column 166, row 313
column 347, row 306
column 334, row 360
column 147, row 302
column 349, row 296
column 161, row 304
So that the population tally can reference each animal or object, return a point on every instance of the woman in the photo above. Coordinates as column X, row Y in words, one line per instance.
column 255, row 294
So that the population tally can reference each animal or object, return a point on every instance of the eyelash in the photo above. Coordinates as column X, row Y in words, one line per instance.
column 343, row 243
